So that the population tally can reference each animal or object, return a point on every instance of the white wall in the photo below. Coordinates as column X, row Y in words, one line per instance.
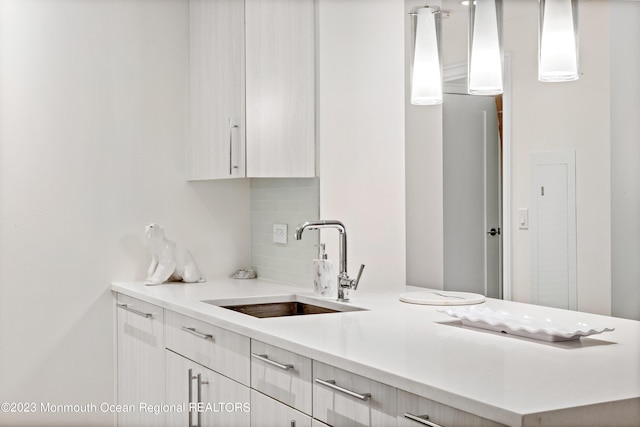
column 625, row 159
column 361, row 134
column 92, row 127
column 561, row 116
column 545, row 117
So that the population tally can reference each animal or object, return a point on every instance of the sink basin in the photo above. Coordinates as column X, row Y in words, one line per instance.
column 279, row 309
column 282, row 306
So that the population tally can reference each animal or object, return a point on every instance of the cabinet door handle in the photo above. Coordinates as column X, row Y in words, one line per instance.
column 191, row 378
column 199, row 334
column 139, row 313
column 332, row 384
column 266, row 359
column 200, row 383
column 421, row 419
column 231, row 165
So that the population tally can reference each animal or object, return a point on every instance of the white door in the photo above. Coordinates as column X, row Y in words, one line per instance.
column 472, row 198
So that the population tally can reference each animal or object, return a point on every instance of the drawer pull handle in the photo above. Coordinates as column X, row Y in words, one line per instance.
column 139, row 313
column 332, row 384
column 421, row 419
column 191, row 378
column 265, row 358
column 199, row 334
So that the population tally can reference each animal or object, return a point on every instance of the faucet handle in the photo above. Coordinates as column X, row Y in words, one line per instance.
column 355, row 282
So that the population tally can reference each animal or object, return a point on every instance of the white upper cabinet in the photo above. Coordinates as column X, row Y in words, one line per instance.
column 216, row 109
column 280, row 40
column 251, row 89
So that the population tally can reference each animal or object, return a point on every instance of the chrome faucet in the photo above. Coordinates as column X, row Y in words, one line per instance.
column 344, row 282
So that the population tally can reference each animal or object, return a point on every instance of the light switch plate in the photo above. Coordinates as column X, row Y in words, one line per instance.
column 523, row 218
column 280, row 233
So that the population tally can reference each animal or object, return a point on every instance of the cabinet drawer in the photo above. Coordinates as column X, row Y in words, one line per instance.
column 219, row 349
column 412, row 408
column 281, row 374
column 267, row 412
column 343, row 399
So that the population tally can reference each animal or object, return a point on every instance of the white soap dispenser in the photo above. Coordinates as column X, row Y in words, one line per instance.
column 324, row 278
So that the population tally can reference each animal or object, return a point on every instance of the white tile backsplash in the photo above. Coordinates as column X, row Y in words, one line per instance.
column 284, row 201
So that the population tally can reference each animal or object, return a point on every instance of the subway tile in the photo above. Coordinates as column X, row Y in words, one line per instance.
column 284, row 201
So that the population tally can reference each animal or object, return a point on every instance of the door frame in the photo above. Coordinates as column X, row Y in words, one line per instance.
column 455, row 81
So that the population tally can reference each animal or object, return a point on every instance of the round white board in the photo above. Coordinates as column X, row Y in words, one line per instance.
column 436, row 297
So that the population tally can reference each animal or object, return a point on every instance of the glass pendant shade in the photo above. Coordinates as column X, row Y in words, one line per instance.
column 485, row 47
column 558, row 41
column 426, row 80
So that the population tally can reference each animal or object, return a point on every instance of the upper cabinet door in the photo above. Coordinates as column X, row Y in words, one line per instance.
column 280, row 79
column 216, row 116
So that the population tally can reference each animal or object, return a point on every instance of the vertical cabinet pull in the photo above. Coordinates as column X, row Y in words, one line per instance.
column 332, row 385
column 266, row 359
column 231, row 165
column 198, row 396
column 421, row 419
column 191, row 378
column 139, row 313
column 200, row 383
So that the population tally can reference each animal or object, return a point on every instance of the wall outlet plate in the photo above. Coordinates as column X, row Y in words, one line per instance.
column 280, row 233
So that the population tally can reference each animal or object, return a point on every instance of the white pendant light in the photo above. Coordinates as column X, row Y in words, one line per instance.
column 426, row 80
column 558, row 41
column 485, row 47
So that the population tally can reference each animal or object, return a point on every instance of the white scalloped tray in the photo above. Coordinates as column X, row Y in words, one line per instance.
column 546, row 329
column 435, row 297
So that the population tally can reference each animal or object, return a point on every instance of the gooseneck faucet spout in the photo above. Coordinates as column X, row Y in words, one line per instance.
column 344, row 282
column 316, row 225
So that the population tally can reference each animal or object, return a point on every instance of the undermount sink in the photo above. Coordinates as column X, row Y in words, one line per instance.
column 281, row 306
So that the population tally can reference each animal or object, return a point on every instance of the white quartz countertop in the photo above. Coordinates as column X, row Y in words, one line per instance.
column 509, row 379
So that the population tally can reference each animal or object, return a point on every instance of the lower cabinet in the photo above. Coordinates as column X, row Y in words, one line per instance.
column 415, row 411
column 343, row 399
column 199, row 374
column 205, row 397
column 268, row 412
column 140, row 361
